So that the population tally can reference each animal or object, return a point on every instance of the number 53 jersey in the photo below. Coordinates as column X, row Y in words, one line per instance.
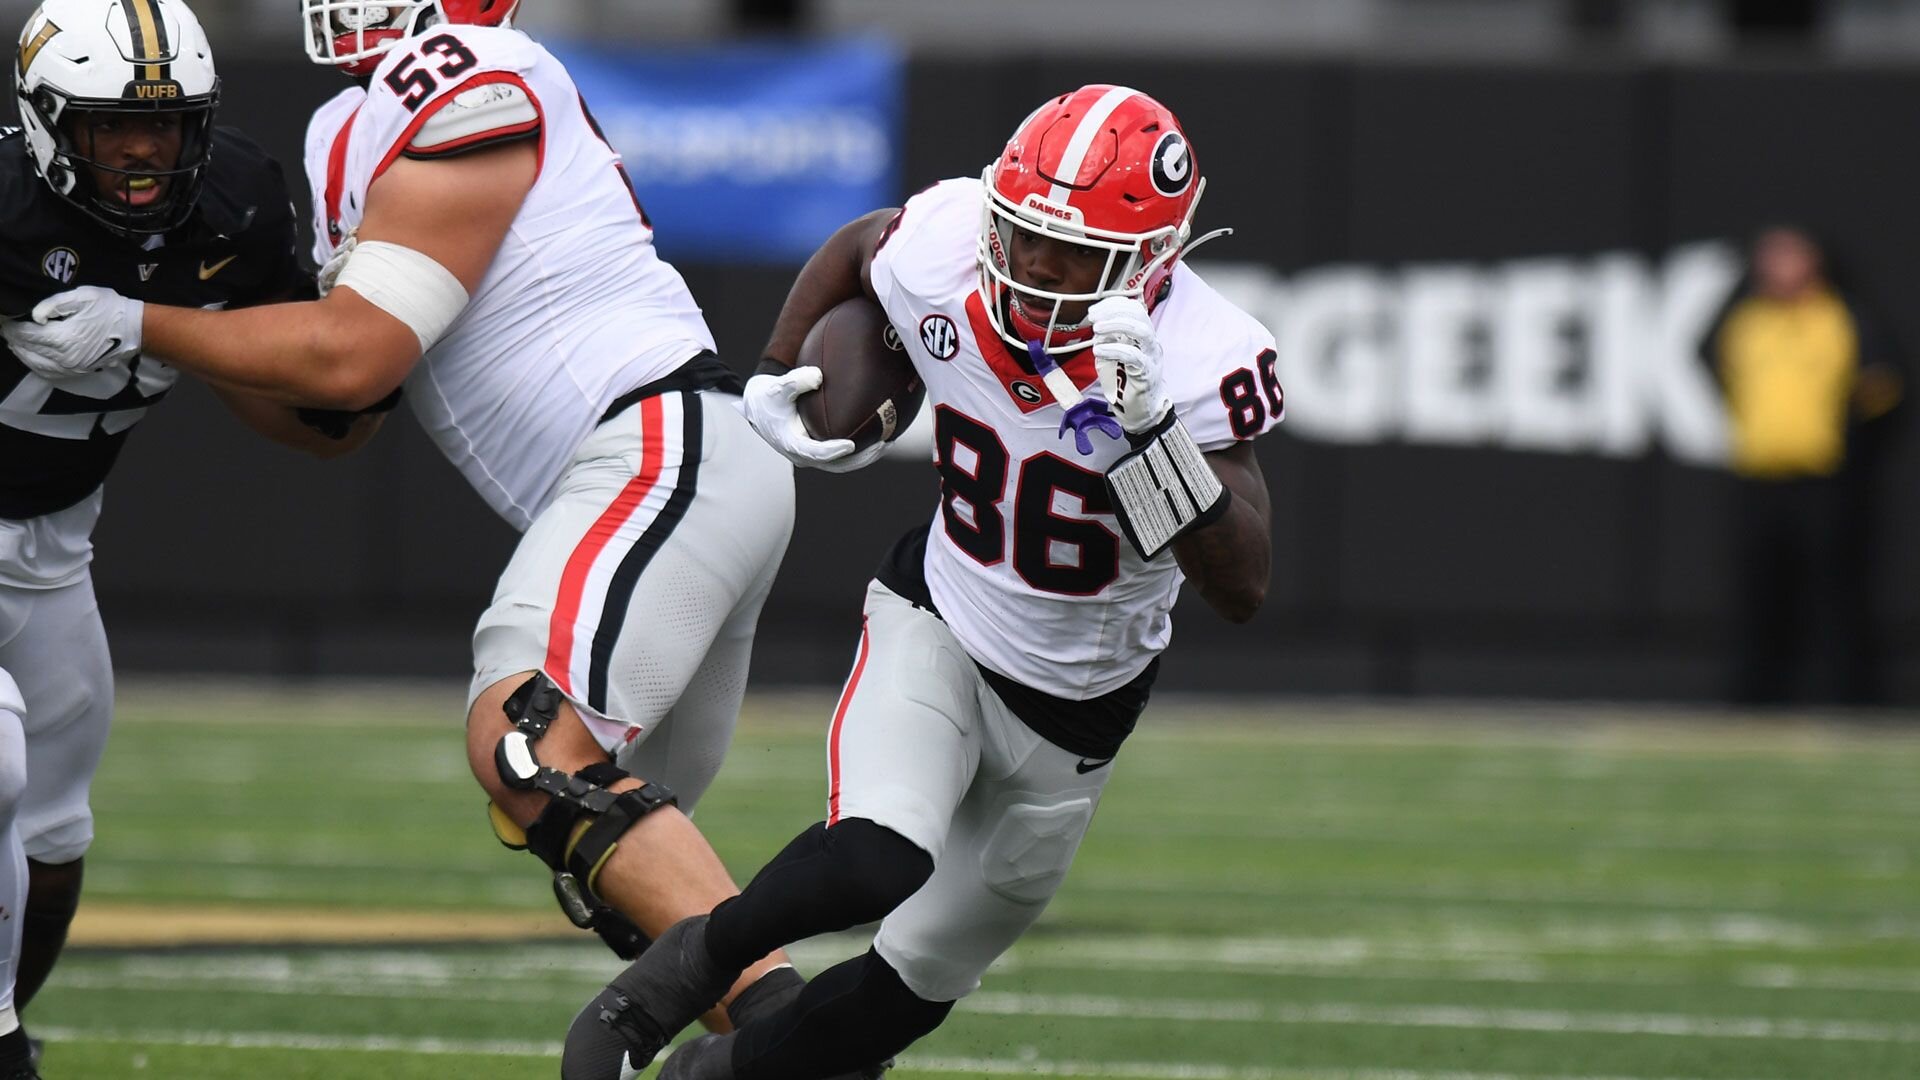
column 576, row 308
column 1024, row 559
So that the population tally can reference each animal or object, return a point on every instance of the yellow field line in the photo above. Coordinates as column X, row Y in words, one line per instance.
column 109, row 925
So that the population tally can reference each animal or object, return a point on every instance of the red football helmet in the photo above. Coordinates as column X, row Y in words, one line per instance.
column 353, row 35
column 1104, row 167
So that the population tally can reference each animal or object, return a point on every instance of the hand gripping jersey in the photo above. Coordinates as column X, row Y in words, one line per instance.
column 59, row 438
column 576, row 309
column 1025, row 560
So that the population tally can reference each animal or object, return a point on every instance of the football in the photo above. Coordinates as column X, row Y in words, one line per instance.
column 869, row 391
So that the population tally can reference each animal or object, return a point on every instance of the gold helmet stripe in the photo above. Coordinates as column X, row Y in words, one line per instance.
column 149, row 38
column 31, row 49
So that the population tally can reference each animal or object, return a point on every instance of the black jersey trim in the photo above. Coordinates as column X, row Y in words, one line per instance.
column 1093, row 728
column 613, row 613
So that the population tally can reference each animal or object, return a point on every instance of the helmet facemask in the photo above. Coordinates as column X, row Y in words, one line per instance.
column 75, row 163
column 1136, row 265
column 354, row 34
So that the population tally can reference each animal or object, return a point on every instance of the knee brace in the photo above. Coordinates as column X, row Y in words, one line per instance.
column 583, row 821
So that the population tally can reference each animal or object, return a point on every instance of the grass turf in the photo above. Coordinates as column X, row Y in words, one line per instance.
column 1271, row 892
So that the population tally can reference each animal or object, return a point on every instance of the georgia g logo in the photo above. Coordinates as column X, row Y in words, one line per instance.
column 1172, row 169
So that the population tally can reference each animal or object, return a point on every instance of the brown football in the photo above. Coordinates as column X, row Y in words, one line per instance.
column 868, row 388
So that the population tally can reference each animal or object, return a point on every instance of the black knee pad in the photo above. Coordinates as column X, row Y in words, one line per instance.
column 849, row 1018
column 53, row 896
column 879, row 867
column 893, row 1005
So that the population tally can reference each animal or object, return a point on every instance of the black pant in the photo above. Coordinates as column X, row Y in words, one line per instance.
column 1800, row 593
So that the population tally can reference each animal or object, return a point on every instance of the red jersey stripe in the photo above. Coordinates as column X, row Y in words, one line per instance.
column 573, row 580
column 833, row 735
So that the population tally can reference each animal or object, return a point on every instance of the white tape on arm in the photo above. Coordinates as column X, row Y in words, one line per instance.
column 1164, row 487
column 407, row 285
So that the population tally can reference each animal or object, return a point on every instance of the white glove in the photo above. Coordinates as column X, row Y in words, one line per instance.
column 77, row 332
column 330, row 273
column 1126, row 354
column 768, row 405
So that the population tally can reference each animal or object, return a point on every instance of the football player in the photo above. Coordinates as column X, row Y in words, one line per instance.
column 116, row 178
column 480, row 242
column 1095, row 404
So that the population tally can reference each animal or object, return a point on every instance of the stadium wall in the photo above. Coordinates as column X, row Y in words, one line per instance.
column 1436, row 548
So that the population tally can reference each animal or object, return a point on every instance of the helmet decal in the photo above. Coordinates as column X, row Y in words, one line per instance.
column 31, row 48
column 119, row 62
column 1172, row 170
column 1105, row 169
column 149, row 41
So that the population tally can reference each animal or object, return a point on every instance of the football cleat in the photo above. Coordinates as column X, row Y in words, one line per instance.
column 627, row 1024
column 709, row 1057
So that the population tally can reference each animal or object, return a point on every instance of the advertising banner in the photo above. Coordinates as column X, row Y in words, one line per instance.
column 749, row 152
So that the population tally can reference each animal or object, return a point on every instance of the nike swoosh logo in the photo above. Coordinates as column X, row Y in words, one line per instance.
column 1085, row 766
column 627, row 1071
column 208, row 271
column 113, row 346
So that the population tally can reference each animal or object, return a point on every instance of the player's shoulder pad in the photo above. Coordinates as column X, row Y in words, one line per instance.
column 325, row 122
column 931, row 249
column 1220, row 363
column 245, row 186
column 488, row 109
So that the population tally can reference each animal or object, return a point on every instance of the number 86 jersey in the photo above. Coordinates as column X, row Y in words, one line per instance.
column 1024, row 558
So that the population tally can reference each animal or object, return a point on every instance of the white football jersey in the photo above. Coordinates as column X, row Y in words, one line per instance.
column 577, row 308
column 1026, row 562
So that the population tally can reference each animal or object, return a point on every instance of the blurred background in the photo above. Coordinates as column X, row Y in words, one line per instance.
column 1553, row 432
column 1490, row 235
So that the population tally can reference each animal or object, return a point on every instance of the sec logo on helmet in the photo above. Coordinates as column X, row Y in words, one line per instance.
column 1172, row 170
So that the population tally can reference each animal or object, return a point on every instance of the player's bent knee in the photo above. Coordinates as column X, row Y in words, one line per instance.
column 893, row 1006
column 582, row 818
column 880, row 867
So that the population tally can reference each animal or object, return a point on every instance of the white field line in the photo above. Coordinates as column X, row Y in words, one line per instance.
column 294, row 1040
column 1556, row 1021
column 1130, row 1070
column 1596, row 834
column 485, row 987
column 260, row 877
column 358, row 972
column 1691, row 900
column 1364, row 961
column 1144, row 1070
column 1090, row 1006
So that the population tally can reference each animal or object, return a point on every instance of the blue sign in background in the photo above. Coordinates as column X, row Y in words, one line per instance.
column 750, row 152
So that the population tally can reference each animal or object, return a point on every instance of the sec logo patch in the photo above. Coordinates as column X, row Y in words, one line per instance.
column 940, row 336
column 60, row 264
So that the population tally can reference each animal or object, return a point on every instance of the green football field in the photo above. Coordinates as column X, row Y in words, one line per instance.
column 293, row 884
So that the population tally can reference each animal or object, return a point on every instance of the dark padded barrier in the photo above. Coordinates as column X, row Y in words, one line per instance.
column 1398, row 568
